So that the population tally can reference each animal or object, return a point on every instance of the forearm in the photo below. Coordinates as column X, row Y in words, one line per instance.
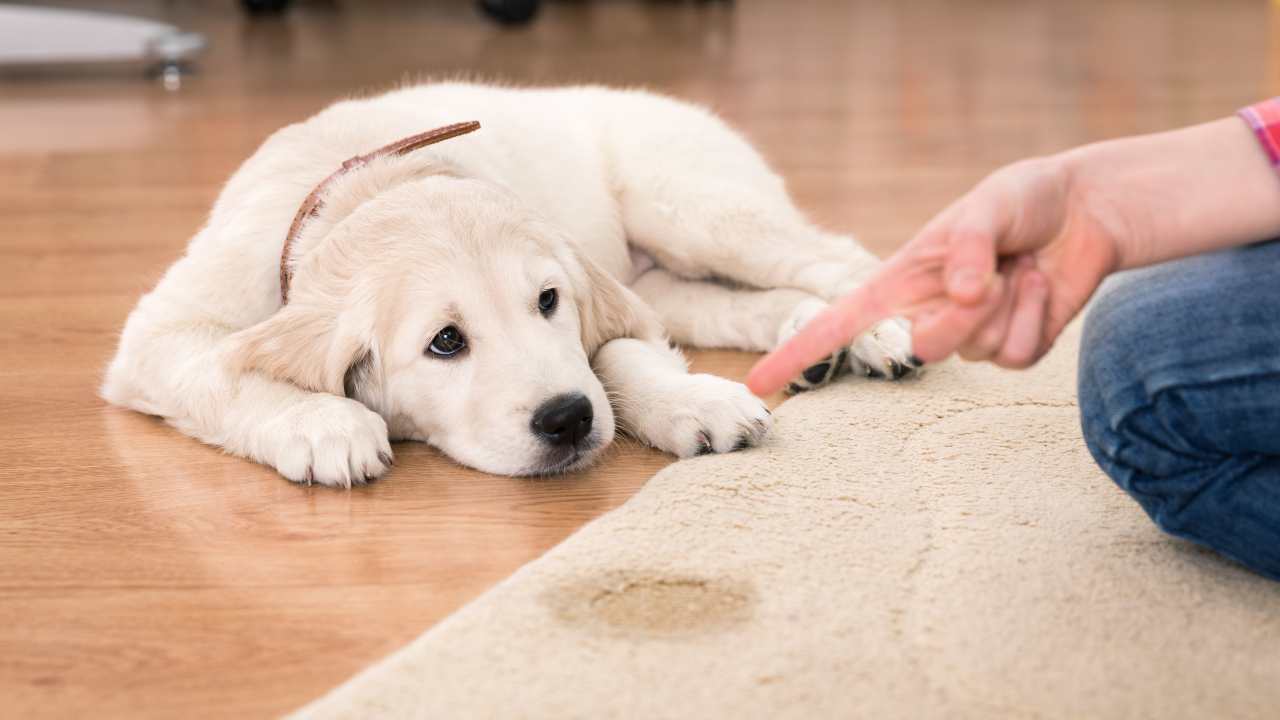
column 1179, row 193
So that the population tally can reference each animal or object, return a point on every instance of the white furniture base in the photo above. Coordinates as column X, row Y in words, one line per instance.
column 39, row 36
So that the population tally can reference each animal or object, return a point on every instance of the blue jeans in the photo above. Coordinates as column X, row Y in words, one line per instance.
column 1180, row 397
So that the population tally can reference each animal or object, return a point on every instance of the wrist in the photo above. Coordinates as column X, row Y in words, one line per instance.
column 1174, row 194
column 1097, row 210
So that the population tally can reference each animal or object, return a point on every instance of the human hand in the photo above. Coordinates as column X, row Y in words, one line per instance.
column 996, row 276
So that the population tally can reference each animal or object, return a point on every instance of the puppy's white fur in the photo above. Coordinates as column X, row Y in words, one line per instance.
column 585, row 190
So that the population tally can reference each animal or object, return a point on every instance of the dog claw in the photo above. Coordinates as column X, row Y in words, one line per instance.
column 897, row 370
column 704, row 444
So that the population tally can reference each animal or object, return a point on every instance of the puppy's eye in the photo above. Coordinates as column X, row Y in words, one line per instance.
column 547, row 301
column 447, row 343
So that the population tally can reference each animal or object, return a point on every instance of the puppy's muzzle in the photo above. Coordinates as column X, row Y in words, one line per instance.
column 564, row 420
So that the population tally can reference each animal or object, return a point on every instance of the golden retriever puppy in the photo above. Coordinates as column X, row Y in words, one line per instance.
column 507, row 294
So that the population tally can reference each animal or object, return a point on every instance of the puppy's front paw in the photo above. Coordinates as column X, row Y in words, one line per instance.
column 703, row 414
column 884, row 351
column 329, row 440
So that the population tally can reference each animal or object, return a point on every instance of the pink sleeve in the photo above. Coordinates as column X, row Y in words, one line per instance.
column 1264, row 118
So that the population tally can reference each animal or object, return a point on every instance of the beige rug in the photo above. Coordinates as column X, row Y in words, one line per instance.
column 938, row 548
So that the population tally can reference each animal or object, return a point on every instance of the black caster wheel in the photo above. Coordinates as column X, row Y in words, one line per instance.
column 510, row 12
column 264, row 7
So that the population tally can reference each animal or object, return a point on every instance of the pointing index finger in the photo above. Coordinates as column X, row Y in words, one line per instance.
column 836, row 326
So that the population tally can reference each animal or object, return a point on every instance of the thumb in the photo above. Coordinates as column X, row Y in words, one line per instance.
column 972, row 233
column 970, row 265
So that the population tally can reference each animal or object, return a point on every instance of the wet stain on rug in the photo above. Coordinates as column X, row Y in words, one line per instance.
column 652, row 603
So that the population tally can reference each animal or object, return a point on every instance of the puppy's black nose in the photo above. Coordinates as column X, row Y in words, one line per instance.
column 563, row 420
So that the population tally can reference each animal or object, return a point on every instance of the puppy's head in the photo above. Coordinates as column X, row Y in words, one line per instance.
column 461, row 318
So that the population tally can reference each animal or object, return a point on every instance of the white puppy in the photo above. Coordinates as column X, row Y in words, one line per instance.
column 506, row 295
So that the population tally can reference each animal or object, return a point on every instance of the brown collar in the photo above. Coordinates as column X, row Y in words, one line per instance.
column 315, row 200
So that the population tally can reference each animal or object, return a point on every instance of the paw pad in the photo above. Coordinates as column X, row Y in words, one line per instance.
column 819, row 373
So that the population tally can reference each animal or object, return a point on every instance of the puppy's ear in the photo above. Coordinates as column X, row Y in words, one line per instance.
column 361, row 381
column 309, row 347
column 609, row 310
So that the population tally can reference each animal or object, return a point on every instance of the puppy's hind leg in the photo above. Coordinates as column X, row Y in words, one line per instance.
column 882, row 352
column 708, row 314
column 709, row 207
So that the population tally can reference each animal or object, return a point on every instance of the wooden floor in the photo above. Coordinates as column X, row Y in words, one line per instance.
column 145, row 575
